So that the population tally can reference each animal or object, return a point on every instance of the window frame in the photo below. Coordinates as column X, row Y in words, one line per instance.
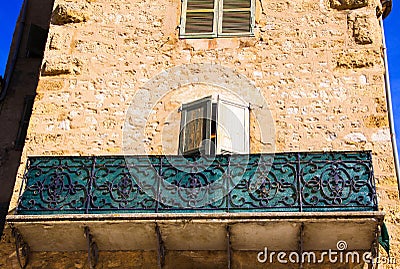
column 212, row 129
column 217, row 21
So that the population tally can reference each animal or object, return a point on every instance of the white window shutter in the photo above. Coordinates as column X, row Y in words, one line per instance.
column 232, row 127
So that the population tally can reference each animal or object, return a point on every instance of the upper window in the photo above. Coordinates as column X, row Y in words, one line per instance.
column 24, row 123
column 36, row 41
column 214, row 127
column 214, row 18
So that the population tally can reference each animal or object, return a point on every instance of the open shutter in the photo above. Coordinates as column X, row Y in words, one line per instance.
column 236, row 17
column 199, row 18
column 195, row 131
column 232, row 127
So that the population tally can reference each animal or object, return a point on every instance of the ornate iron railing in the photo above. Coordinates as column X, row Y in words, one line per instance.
column 284, row 182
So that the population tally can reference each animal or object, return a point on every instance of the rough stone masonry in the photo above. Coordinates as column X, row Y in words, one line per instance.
column 318, row 64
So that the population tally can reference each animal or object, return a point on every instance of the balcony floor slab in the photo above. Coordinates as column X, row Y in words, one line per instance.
column 198, row 232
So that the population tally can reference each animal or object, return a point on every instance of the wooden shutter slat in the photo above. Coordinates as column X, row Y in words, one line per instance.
column 236, row 4
column 200, row 4
column 236, row 22
column 199, row 22
column 199, row 17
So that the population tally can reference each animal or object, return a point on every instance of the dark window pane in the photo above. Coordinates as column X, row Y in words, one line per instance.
column 24, row 123
column 36, row 41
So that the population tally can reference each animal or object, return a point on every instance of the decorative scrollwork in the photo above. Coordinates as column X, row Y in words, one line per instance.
column 55, row 184
column 267, row 187
column 340, row 183
column 189, row 185
column 114, row 188
column 257, row 182
column 22, row 248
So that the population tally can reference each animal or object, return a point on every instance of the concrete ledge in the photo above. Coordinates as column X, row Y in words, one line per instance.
column 164, row 216
column 200, row 232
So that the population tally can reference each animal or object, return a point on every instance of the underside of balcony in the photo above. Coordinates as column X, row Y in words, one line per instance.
column 230, row 237
column 278, row 231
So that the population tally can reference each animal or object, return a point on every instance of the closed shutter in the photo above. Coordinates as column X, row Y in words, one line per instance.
column 195, row 131
column 199, row 18
column 232, row 127
column 236, row 18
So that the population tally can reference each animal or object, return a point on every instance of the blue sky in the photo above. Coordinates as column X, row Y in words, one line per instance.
column 392, row 31
column 9, row 12
column 10, row 9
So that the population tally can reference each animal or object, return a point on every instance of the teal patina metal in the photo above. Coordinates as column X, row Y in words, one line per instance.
column 281, row 182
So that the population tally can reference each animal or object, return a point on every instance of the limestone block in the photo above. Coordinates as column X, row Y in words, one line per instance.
column 61, row 65
column 57, row 66
column 362, row 30
column 381, row 135
column 363, row 26
column 381, row 105
column 358, row 58
column 348, row 4
column 355, row 138
column 69, row 12
column 60, row 39
column 49, row 85
column 376, row 121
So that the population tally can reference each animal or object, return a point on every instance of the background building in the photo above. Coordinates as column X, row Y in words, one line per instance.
column 297, row 88
column 18, row 89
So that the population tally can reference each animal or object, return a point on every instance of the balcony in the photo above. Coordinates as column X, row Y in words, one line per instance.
column 225, row 203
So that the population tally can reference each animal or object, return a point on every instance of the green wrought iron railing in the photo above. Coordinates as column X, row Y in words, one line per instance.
column 284, row 182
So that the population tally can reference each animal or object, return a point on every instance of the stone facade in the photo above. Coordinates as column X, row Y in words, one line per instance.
column 320, row 70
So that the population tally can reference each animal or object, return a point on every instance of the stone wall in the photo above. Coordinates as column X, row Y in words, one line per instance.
column 318, row 64
column 317, row 70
